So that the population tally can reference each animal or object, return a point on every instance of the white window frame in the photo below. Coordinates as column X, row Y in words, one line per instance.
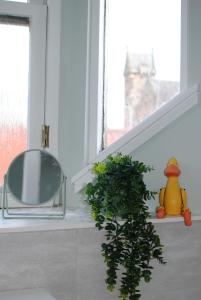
column 94, row 98
column 53, row 73
column 94, row 72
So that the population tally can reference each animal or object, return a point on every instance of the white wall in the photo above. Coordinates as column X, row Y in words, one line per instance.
column 69, row 264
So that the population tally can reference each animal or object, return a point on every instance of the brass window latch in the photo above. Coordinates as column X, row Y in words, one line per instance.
column 45, row 136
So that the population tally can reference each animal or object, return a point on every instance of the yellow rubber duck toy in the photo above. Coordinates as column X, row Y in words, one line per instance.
column 173, row 198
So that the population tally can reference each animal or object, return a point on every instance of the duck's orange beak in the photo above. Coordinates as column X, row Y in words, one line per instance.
column 172, row 170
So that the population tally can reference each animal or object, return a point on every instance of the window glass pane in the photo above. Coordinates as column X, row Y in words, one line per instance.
column 142, row 61
column 14, row 62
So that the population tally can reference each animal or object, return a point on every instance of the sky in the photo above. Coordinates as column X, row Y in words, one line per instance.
column 141, row 26
column 14, row 62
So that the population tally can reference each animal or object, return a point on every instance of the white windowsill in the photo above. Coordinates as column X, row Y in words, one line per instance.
column 75, row 219
column 136, row 137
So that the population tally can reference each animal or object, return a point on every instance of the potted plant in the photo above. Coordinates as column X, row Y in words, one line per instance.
column 117, row 198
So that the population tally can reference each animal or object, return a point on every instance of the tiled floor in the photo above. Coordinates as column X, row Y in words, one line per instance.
column 27, row 294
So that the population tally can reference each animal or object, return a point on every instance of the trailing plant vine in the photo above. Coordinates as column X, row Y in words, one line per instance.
column 118, row 198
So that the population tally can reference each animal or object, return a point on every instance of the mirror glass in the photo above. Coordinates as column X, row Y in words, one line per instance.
column 34, row 177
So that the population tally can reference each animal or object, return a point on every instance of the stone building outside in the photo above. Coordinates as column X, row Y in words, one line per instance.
column 144, row 93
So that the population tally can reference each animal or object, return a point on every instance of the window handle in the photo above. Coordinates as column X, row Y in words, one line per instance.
column 45, row 136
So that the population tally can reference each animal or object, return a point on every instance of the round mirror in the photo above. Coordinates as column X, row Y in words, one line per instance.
column 34, row 177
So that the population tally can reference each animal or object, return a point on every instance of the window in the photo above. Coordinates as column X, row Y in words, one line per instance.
column 137, row 62
column 14, row 61
column 22, row 78
column 29, row 85
column 141, row 62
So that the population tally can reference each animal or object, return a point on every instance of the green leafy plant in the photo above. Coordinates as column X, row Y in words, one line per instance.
column 118, row 198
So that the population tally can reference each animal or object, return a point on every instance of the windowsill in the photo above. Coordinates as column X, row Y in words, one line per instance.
column 174, row 219
column 75, row 219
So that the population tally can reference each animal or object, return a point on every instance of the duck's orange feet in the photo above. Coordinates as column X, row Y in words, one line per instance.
column 187, row 217
column 160, row 212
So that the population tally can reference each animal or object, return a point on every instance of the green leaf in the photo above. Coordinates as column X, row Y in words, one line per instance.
column 119, row 192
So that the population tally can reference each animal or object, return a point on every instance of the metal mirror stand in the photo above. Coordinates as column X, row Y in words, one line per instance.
column 34, row 178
